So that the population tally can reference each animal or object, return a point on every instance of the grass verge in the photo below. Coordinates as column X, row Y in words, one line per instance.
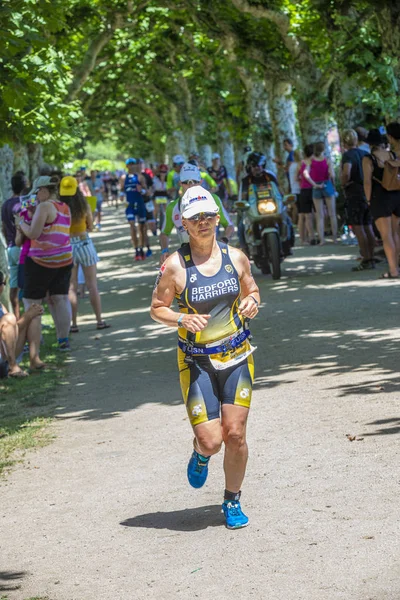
column 26, row 405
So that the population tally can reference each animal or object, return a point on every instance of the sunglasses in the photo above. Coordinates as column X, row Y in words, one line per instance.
column 190, row 182
column 3, row 282
column 202, row 216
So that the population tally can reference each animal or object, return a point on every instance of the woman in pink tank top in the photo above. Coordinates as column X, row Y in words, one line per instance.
column 321, row 176
column 48, row 264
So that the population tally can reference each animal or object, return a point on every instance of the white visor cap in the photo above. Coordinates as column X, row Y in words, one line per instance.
column 197, row 200
column 189, row 172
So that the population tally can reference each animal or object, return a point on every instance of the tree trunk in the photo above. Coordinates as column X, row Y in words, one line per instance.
column 21, row 159
column 205, row 152
column 6, row 172
column 35, row 155
column 349, row 111
column 227, row 153
column 283, row 120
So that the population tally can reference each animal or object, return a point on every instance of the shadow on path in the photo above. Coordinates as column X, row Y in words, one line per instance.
column 189, row 519
column 393, row 426
column 319, row 320
column 11, row 580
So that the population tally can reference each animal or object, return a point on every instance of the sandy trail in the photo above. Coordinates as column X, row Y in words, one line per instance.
column 105, row 512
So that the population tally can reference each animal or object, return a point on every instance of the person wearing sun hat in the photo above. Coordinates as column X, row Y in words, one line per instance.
column 190, row 176
column 83, row 251
column 216, row 295
column 48, row 265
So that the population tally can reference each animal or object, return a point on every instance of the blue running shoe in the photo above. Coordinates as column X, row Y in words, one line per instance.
column 197, row 470
column 234, row 516
column 149, row 253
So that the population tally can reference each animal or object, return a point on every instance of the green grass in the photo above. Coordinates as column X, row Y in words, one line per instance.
column 26, row 405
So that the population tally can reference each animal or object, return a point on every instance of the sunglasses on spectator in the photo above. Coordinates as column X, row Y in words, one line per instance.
column 202, row 216
column 190, row 182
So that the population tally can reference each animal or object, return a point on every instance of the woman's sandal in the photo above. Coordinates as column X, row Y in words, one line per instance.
column 388, row 276
column 103, row 325
column 74, row 329
column 18, row 374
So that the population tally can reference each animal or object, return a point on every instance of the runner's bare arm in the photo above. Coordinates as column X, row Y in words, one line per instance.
column 250, row 296
column 170, row 278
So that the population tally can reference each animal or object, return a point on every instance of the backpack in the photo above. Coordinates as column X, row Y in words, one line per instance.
column 391, row 174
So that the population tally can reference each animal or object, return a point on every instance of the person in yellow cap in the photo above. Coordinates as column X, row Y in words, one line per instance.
column 83, row 251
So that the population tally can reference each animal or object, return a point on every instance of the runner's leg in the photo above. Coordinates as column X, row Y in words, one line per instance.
column 72, row 294
column 94, row 296
column 234, row 420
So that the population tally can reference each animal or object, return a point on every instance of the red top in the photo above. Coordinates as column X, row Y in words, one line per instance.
column 304, row 184
column 319, row 170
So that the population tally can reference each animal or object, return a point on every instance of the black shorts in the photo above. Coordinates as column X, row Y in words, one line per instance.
column 21, row 278
column 39, row 280
column 305, row 202
column 358, row 212
column 385, row 204
column 150, row 215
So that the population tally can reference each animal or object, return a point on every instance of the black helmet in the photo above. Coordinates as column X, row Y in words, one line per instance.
column 256, row 159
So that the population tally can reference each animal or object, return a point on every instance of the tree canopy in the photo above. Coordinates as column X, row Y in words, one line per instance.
column 139, row 74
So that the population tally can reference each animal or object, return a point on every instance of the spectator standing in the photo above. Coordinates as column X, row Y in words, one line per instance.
column 8, row 211
column 83, row 251
column 48, row 264
column 294, row 184
column 358, row 213
column 305, row 202
column 322, row 176
column 96, row 187
column 288, row 147
column 385, row 204
column 362, row 135
column 219, row 173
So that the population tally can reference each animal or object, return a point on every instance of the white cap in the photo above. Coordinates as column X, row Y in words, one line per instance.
column 178, row 159
column 197, row 200
column 215, row 155
column 189, row 172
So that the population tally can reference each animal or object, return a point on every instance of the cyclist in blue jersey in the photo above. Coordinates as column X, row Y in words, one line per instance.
column 216, row 295
column 135, row 188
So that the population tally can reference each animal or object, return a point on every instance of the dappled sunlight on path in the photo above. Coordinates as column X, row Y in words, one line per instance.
column 109, row 499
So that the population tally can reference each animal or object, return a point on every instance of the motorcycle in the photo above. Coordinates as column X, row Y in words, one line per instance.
column 267, row 230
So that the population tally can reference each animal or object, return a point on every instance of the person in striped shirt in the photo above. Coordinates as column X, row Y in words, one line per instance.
column 48, row 264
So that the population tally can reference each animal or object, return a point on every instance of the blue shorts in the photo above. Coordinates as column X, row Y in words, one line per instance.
column 325, row 192
column 136, row 211
column 13, row 259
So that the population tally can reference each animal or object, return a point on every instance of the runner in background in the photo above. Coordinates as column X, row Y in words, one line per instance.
column 134, row 185
column 173, row 181
column 160, row 194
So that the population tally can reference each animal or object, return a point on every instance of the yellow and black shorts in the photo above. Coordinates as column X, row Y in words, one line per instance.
column 205, row 389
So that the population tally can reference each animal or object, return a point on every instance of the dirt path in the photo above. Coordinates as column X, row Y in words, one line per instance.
column 105, row 512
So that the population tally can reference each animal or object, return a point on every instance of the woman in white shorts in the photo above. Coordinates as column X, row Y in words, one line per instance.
column 83, row 251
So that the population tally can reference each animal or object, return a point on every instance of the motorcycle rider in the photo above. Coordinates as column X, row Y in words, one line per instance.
column 257, row 175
